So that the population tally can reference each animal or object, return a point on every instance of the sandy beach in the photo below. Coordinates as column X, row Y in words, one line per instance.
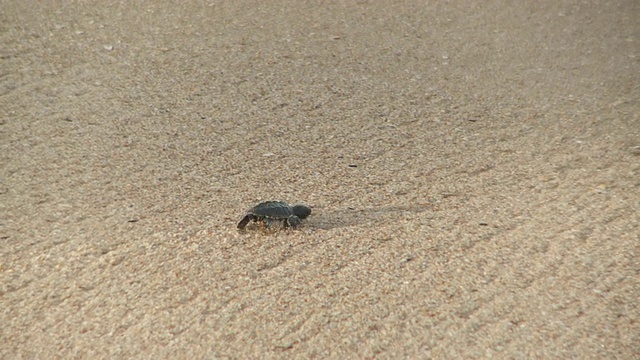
column 473, row 170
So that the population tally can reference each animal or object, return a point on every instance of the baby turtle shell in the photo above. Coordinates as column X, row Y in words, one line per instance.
column 270, row 211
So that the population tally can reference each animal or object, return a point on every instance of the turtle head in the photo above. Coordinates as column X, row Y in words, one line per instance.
column 301, row 211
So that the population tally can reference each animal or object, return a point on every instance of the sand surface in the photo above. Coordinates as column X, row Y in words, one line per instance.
column 473, row 169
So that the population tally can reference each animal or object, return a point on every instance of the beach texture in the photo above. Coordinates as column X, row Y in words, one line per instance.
column 473, row 168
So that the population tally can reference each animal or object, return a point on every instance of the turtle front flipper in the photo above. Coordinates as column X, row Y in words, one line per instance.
column 245, row 220
column 292, row 221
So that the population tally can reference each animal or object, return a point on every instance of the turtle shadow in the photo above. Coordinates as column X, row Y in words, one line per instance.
column 347, row 217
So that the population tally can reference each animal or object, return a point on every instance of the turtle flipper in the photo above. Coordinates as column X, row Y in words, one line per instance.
column 293, row 222
column 245, row 220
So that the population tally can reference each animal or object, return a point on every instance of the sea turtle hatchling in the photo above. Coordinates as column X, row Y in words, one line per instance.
column 269, row 211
